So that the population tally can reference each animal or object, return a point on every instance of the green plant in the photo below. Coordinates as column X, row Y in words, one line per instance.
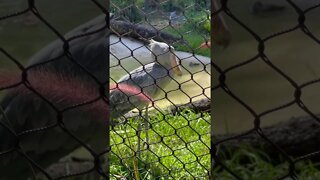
column 174, row 140
column 251, row 163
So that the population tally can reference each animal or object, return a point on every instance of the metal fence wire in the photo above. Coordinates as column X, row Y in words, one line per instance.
column 159, row 139
column 56, row 103
column 298, row 89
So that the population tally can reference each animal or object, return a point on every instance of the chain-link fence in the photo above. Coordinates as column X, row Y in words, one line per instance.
column 155, row 48
column 55, row 103
column 271, row 76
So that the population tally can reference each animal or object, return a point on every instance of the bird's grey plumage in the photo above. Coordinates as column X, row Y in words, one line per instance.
column 30, row 112
column 150, row 78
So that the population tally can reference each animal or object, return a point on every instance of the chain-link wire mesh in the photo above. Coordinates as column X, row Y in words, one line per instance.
column 285, row 86
column 150, row 39
column 41, row 123
column 57, row 102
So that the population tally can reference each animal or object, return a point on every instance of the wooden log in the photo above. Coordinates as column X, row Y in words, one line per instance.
column 296, row 137
column 139, row 31
column 203, row 105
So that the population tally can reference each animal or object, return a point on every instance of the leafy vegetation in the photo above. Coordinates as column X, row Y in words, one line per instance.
column 178, row 147
column 185, row 138
column 192, row 27
column 251, row 164
column 193, row 31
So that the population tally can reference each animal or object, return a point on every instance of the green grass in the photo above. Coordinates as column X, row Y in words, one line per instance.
column 168, row 154
column 251, row 164
column 174, row 140
column 166, row 157
column 193, row 31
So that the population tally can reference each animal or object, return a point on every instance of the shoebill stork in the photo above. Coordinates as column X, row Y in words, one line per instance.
column 151, row 78
column 220, row 32
column 23, row 113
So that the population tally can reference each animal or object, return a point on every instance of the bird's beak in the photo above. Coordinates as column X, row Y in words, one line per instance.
column 175, row 67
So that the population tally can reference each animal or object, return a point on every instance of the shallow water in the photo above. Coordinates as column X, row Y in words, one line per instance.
column 195, row 69
column 259, row 85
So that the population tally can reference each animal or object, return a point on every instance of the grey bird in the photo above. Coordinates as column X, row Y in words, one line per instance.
column 151, row 78
column 26, row 113
column 23, row 113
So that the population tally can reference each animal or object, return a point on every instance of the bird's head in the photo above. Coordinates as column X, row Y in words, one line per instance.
column 164, row 55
